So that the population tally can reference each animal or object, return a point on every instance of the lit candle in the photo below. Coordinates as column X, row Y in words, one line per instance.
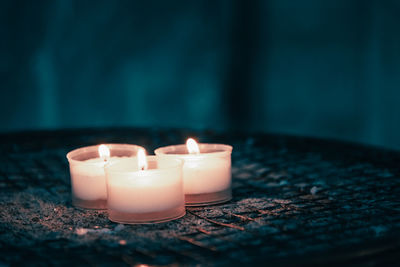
column 206, row 171
column 88, row 184
column 145, row 190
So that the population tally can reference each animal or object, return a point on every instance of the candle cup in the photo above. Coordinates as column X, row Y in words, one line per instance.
column 88, row 181
column 137, row 196
column 207, row 176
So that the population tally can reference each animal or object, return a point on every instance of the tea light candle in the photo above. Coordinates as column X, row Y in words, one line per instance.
column 88, row 182
column 145, row 190
column 206, row 171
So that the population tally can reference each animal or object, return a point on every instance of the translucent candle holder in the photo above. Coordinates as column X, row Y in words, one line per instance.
column 207, row 176
column 145, row 196
column 88, row 180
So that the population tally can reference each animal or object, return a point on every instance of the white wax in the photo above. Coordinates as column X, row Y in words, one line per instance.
column 144, row 191
column 88, row 178
column 207, row 175
column 206, row 172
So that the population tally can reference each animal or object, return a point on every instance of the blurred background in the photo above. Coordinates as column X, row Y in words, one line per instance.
column 317, row 68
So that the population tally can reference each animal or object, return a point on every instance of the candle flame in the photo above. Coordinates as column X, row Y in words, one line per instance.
column 104, row 152
column 142, row 161
column 192, row 146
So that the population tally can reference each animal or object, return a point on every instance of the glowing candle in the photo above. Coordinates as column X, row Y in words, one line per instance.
column 88, row 184
column 206, row 171
column 145, row 190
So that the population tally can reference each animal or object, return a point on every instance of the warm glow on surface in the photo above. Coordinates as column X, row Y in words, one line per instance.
column 104, row 152
column 192, row 146
column 142, row 161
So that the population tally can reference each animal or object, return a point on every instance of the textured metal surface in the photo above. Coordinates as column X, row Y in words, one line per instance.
column 296, row 201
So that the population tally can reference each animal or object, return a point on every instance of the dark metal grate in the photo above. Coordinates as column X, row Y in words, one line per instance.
column 296, row 200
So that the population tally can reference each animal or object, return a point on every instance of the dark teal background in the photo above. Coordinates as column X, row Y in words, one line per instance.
column 318, row 68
